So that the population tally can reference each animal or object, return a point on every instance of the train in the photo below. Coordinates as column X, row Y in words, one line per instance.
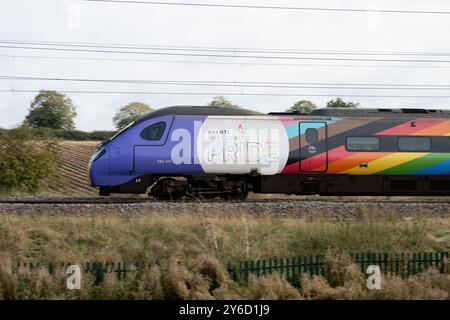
column 209, row 152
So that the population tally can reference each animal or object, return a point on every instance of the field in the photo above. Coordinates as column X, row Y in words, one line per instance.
column 188, row 255
column 71, row 162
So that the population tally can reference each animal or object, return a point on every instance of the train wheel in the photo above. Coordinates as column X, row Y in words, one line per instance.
column 168, row 189
column 238, row 194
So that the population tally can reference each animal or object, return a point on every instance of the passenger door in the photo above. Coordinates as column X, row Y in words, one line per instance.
column 313, row 146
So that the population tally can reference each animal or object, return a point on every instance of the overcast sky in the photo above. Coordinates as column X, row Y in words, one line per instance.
column 138, row 24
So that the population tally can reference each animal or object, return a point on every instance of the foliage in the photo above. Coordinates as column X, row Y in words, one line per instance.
column 97, row 135
column 223, row 102
column 77, row 135
column 25, row 165
column 302, row 107
column 41, row 133
column 339, row 103
column 130, row 113
column 229, row 236
column 183, row 262
column 51, row 109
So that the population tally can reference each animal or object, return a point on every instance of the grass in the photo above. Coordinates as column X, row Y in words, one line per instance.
column 189, row 254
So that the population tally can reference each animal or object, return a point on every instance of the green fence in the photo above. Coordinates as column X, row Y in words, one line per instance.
column 97, row 269
column 292, row 269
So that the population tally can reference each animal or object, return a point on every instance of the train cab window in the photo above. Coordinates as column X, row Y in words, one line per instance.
column 154, row 131
column 414, row 144
column 362, row 144
column 312, row 135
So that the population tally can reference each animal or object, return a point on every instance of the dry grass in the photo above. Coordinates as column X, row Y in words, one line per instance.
column 71, row 164
column 189, row 254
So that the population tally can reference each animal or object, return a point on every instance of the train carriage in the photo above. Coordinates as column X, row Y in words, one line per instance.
column 227, row 152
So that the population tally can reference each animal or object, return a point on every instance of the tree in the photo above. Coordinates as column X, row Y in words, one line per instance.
column 130, row 113
column 302, row 106
column 221, row 101
column 51, row 109
column 339, row 103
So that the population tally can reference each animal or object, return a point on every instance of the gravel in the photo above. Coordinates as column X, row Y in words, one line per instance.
column 256, row 208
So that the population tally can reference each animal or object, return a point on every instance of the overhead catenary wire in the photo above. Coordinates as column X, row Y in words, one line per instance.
column 222, row 49
column 272, row 7
column 77, row 45
column 250, row 84
column 225, row 62
column 224, row 55
column 300, row 94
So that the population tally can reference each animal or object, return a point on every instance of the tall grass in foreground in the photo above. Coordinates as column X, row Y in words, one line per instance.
column 188, row 255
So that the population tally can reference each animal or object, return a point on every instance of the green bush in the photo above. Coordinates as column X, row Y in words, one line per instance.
column 81, row 135
column 26, row 165
column 100, row 135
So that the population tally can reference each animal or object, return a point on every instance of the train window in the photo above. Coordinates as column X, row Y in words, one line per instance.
column 362, row 144
column 414, row 144
column 311, row 135
column 154, row 131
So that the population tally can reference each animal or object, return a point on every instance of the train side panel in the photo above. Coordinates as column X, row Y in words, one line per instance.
column 242, row 145
column 388, row 160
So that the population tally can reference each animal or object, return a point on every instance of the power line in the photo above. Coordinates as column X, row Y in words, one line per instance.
column 222, row 49
column 217, row 5
column 233, row 94
column 227, row 55
column 249, row 84
column 225, row 63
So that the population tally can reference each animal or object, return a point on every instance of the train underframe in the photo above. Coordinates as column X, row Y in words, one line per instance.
column 237, row 187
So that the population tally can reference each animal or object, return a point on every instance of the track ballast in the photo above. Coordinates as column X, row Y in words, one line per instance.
column 296, row 208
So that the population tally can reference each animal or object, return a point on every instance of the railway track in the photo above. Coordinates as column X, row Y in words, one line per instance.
column 131, row 200
column 282, row 208
column 137, row 200
column 73, row 200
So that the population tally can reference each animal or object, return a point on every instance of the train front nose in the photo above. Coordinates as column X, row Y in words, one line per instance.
column 98, row 168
